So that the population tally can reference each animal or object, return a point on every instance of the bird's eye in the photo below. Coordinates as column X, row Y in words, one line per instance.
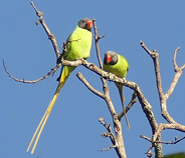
column 83, row 21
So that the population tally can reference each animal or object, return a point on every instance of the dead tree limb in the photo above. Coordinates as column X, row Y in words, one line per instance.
column 172, row 124
column 48, row 32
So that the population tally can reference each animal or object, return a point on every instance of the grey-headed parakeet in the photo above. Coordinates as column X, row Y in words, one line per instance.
column 78, row 46
column 119, row 66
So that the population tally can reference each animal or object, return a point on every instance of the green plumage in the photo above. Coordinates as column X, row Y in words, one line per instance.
column 78, row 46
column 119, row 66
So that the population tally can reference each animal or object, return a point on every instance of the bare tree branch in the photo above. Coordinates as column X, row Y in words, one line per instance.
column 48, row 32
column 80, row 76
column 39, row 154
column 120, row 147
column 110, row 134
column 112, row 146
column 97, row 38
column 31, row 82
column 63, row 62
column 174, row 59
column 154, row 55
column 177, row 75
column 163, row 142
column 163, row 100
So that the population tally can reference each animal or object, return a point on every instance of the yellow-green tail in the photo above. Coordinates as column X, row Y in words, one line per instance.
column 63, row 78
column 120, row 88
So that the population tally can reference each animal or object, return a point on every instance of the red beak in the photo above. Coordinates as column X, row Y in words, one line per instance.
column 109, row 58
column 89, row 24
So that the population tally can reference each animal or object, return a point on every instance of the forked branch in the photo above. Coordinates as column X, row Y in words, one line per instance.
column 172, row 124
column 34, row 81
column 48, row 32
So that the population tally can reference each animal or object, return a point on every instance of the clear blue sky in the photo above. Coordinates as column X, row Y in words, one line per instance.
column 73, row 127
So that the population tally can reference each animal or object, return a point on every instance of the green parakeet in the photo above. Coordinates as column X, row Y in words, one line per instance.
column 119, row 66
column 78, row 46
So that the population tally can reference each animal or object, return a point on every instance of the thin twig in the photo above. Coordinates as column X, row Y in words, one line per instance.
column 174, row 60
column 97, row 38
column 154, row 55
column 163, row 142
column 112, row 146
column 48, row 32
column 110, row 134
column 39, row 154
column 86, row 83
column 62, row 62
column 34, row 81
column 176, row 77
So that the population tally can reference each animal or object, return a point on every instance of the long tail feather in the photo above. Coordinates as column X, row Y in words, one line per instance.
column 120, row 88
column 44, row 119
column 36, row 131
column 38, row 136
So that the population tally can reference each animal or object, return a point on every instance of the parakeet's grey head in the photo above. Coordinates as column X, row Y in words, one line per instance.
column 110, row 58
column 85, row 23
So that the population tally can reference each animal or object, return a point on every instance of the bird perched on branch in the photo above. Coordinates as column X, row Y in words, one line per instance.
column 118, row 65
column 78, row 46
